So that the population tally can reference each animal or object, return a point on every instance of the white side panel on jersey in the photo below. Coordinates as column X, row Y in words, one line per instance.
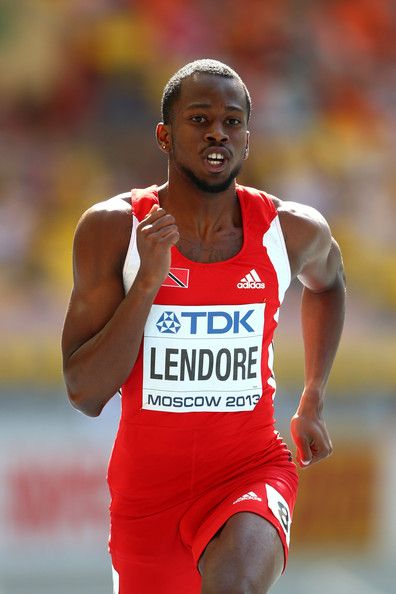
column 203, row 358
column 274, row 241
column 271, row 379
column 132, row 259
column 116, row 581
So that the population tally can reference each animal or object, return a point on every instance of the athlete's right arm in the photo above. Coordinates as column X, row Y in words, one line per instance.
column 103, row 328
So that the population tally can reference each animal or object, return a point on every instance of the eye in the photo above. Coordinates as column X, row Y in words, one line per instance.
column 233, row 121
column 198, row 119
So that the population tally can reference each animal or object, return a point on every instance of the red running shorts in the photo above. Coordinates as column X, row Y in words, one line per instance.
column 159, row 553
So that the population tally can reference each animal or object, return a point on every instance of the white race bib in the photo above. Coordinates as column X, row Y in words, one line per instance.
column 203, row 358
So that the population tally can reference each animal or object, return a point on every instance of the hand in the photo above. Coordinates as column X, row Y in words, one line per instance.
column 309, row 433
column 155, row 235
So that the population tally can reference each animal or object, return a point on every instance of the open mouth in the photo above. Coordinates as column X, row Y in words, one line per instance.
column 216, row 161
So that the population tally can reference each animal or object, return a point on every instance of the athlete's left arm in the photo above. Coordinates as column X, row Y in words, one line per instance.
column 315, row 258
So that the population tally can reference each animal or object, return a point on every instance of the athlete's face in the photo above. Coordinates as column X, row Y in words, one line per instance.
column 208, row 138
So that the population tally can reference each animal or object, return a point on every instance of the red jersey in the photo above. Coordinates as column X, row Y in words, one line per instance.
column 196, row 441
column 207, row 346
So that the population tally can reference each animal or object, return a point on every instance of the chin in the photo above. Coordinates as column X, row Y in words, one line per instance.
column 211, row 187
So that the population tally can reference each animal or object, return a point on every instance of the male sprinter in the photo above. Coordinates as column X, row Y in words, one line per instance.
column 176, row 296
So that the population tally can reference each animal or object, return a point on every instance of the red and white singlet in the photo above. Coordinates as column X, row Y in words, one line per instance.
column 196, row 435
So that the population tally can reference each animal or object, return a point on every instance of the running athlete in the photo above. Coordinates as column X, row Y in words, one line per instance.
column 176, row 296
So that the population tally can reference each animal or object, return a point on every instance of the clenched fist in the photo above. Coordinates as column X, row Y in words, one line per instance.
column 155, row 235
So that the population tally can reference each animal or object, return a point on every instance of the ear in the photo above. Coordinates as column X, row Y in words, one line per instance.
column 163, row 136
column 247, row 144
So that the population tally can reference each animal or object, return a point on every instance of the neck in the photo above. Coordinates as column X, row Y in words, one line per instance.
column 196, row 212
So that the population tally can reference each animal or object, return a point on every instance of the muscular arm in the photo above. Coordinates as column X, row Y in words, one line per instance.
column 315, row 259
column 103, row 326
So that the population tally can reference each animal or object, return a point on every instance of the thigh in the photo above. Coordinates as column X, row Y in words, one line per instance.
column 272, row 501
column 246, row 555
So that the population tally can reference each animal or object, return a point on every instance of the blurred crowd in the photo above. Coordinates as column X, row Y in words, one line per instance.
column 80, row 87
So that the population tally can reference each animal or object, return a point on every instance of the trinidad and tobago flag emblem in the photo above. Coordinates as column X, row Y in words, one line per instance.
column 177, row 277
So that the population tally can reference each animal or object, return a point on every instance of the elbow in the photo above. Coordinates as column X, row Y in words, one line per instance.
column 83, row 404
column 86, row 408
column 86, row 392
column 81, row 398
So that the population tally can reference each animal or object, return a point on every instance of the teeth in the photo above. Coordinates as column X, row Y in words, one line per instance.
column 215, row 157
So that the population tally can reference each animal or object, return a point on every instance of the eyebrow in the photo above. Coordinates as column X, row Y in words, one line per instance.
column 203, row 105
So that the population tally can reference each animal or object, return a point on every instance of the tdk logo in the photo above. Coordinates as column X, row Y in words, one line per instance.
column 209, row 322
column 168, row 323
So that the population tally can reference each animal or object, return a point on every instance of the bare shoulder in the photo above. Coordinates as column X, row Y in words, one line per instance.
column 306, row 232
column 104, row 215
column 108, row 220
column 103, row 233
column 295, row 216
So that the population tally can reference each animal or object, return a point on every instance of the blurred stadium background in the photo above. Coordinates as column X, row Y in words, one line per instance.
column 80, row 87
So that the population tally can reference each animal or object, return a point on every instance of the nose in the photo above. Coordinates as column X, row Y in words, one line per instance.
column 216, row 133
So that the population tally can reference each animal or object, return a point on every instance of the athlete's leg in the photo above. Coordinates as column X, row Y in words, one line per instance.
column 245, row 557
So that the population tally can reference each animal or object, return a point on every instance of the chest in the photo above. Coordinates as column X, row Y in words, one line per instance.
column 218, row 248
column 246, row 277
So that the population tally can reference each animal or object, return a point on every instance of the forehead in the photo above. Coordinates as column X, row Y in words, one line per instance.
column 212, row 90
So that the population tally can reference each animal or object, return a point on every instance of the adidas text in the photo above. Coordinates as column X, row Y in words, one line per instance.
column 251, row 281
column 247, row 285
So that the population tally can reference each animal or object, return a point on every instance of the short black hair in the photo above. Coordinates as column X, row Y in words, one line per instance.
column 204, row 66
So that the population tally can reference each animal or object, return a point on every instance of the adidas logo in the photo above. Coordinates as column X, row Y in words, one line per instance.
column 248, row 497
column 251, row 281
